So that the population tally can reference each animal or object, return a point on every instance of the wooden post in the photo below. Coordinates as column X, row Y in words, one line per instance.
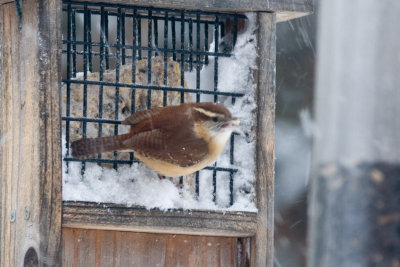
column 263, row 244
column 30, row 149
column 355, row 207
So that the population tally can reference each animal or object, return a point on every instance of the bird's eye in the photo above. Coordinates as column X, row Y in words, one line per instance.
column 215, row 119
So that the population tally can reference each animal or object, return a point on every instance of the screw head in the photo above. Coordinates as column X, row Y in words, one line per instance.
column 12, row 216
column 27, row 213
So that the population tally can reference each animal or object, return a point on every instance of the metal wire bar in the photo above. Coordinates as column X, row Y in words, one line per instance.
column 85, row 70
column 117, row 69
column 154, row 87
column 101, row 73
column 134, row 43
column 68, row 85
column 198, row 57
column 155, row 9
column 107, row 51
column 165, row 58
column 216, row 36
column 190, row 44
column 73, row 45
column 173, row 38
column 149, row 44
column 139, row 35
column 231, row 161
column 201, row 62
column 164, row 50
column 155, row 21
column 123, row 38
column 206, row 42
column 210, row 168
column 182, row 54
column 89, row 38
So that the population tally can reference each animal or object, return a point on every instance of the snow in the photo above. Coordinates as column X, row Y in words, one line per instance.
column 138, row 185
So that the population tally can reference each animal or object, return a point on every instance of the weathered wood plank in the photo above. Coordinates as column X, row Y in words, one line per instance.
column 178, row 251
column 85, row 248
column 149, row 249
column 105, row 248
column 284, row 9
column 30, row 147
column 68, row 247
column 263, row 244
column 119, row 217
column 301, row 6
column 144, row 249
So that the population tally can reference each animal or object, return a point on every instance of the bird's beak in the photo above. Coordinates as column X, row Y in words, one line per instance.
column 235, row 121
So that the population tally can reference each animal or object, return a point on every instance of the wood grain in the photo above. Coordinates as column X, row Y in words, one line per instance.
column 280, row 6
column 2, row 2
column 30, row 162
column 124, row 249
column 136, row 218
column 263, row 244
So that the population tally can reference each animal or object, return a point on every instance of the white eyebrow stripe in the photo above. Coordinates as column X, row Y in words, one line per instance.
column 207, row 113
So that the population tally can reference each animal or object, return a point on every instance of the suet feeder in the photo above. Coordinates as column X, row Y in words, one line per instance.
column 43, row 47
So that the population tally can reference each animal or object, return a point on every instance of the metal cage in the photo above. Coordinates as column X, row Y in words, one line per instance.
column 185, row 37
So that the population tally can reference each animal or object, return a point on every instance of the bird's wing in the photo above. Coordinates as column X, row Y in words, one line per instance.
column 142, row 115
column 173, row 149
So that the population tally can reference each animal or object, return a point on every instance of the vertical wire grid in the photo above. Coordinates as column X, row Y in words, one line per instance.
column 101, row 71
column 89, row 39
column 197, row 179
column 107, row 47
column 68, row 84
column 123, row 38
column 155, row 21
column 85, row 72
column 206, row 42
column 235, row 30
column 231, row 161
column 117, row 70
column 173, row 30
column 165, row 57
column 139, row 34
column 190, row 44
column 198, row 56
column 134, row 52
column 74, row 45
column 149, row 53
column 216, row 41
column 182, row 54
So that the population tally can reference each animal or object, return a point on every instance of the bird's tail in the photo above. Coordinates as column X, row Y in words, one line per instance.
column 86, row 147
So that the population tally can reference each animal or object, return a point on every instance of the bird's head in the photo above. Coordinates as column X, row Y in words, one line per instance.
column 215, row 118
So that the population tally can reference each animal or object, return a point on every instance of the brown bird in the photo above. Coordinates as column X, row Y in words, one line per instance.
column 173, row 140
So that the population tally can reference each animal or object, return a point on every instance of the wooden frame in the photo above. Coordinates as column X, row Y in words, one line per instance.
column 259, row 225
column 284, row 9
column 30, row 146
column 30, row 141
column 106, row 216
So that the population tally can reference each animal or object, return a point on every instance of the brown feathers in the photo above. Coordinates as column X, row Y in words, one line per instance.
column 164, row 138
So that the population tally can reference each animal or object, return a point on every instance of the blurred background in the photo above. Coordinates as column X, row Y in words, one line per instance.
column 294, row 92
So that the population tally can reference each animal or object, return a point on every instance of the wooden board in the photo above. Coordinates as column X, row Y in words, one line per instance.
column 84, row 247
column 30, row 162
column 120, row 217
column 279, row 6
column 263, row 243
